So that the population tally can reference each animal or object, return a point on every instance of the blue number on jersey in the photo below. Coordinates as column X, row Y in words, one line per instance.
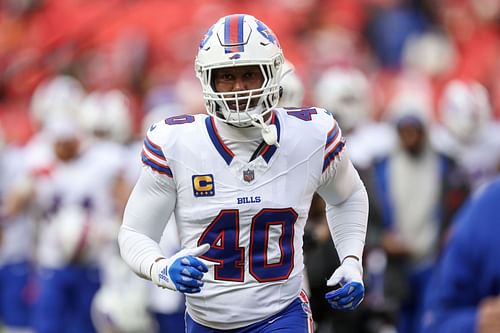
column 223, row 236
column 304, row 114
column 260, row 269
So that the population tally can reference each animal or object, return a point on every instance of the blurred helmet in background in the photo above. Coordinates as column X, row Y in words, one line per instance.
column 121, row 311
column 58, row 97
column 409, row 104
column 107, row 115
column 240, row 40
column 464, row 108
column 345, row 93
column 161, row 112
column 292, row 94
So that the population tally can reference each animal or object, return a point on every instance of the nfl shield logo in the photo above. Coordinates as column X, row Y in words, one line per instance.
column 248, row 175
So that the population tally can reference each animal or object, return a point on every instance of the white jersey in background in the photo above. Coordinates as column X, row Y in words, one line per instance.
column 85, row 182
column 479, row 158
column 17, row 232
column 251, row 213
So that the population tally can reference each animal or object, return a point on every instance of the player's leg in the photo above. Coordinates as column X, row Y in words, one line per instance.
column 194, row 327
column 170, row 323
column 14, row 300
column 85, row 281
column 296, row 318
column 50, row 305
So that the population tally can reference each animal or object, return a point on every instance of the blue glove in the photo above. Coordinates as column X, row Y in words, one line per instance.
column 182, row 272
column 352, row 291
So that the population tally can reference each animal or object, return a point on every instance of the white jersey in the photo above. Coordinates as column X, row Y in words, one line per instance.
column 251, row 213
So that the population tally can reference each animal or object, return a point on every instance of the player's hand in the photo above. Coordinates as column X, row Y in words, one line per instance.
column 349, row 276
column 182, row 272
column 488, row 319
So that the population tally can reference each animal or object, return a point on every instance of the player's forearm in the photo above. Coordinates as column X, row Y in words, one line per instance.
column 346, row 207
column 348, row 223
column 138, row 251
column 147, row 212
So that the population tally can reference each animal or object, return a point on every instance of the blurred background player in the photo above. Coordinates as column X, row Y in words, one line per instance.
column 413, row 185
column 71, row 198
column 292, row 94
column 17, row 236
column 347, row 93
column 464, row 294
column 467, row 131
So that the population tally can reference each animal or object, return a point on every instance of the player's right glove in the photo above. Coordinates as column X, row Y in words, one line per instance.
column 182, row 272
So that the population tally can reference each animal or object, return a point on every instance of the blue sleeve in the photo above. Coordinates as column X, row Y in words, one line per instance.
column 461, row 278
column 451, row 300
column 383, row 194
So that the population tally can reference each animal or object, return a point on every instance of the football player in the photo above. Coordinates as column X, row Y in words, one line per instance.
column 71, row 199
column 17, row 235
column 468, row 132
column 240, row 181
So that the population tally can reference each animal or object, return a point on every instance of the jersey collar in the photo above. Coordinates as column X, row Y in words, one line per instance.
column 226, row 153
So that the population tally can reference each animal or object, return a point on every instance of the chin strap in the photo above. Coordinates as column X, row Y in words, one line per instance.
column 269, row 132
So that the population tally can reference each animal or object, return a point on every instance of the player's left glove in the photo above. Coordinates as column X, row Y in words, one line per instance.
column 352, row 291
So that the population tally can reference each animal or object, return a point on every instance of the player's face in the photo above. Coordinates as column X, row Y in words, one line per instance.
column 66, row 149
column 412, row 138
column 234, row 79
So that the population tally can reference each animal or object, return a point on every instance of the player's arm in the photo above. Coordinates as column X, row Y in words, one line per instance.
column 148, row 209
column 454, row 295
column 347, row 215
column 147, row 212
column 19, row 197
column 346, row 208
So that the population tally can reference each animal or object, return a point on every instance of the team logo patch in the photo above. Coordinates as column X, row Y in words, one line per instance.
column 248, row 175
column 203, row 185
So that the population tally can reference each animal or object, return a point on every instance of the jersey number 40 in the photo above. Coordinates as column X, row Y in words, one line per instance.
column 223, row 236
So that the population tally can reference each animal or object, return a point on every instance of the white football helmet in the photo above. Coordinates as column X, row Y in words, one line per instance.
column 465, row 108
column 344, row 92
column 292, row 93
column 107, row 114
column 240, row 40
column 56, row 97
column 121, row 311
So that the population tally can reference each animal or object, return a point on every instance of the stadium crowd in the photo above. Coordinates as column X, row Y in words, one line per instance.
column 414, row 85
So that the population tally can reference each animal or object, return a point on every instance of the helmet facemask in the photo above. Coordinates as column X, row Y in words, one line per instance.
column 242, row 108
